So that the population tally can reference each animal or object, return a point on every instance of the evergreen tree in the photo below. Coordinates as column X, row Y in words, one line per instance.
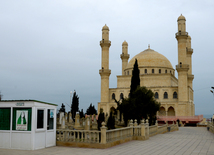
column 91, row 110
column 62, row 109
column 141, row 105
column 82, row 114
column 135, row 81
column 74, row 105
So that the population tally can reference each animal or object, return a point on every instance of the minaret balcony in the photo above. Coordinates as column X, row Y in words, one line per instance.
column 181, row 33
column 124, row 56
column 105, row 43
column 182, row 67
column 189, row 51
column 190, row 77
column 106, row 72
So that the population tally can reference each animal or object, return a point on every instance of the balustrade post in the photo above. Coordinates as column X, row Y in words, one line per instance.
column 103, row 133
column 143, row 129
column 131, row 125
column 135, row 129
column 147, row 125
column 156, row 123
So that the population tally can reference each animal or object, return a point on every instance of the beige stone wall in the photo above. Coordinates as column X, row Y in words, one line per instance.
column 123, row 81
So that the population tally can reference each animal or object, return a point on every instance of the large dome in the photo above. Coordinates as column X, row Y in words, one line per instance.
column 150, row 58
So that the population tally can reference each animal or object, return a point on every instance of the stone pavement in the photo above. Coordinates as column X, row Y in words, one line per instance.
column 186, row 141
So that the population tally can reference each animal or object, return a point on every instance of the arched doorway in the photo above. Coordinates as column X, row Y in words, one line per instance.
column 162, row 111
column 171, row 111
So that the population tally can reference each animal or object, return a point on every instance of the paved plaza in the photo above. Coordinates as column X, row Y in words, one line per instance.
column 186, row 141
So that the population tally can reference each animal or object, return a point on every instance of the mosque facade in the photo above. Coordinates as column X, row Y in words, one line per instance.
column 156, row 73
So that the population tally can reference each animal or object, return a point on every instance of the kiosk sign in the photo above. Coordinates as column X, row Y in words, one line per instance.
column 21, row 119
column 19, row 104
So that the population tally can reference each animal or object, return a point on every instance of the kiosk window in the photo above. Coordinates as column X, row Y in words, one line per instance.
column 40, row 119
column 50, row 122
column 4, row 118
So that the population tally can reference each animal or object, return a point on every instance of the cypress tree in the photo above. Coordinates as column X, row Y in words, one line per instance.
column 91, row 110
column 82, row 114
column 74, row 105
column 135, row 81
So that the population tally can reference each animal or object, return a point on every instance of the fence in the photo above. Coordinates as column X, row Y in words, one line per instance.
column 210, row 127
column 107, row 138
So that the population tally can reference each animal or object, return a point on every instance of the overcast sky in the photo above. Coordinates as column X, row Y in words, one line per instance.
column 51, row 47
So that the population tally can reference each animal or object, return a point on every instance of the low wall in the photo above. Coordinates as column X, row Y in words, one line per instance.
column 108, row 138
column 210, row 127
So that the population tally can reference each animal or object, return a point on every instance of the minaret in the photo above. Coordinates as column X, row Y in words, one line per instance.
column 182, row 67
column 189, row 62
column 124, row 56
column 105, row 71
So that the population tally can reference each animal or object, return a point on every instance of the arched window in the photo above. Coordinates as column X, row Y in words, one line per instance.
column 159, row 70
column 156, row 95
column 127, row 72
column 165, row 71
column 153, row 71
column 145, row 71
column 113, row 96
column 121, row 96
column 175, row 95
column 165, row 96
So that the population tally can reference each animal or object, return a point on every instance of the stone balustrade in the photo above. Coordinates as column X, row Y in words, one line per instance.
column 210, row 127
column 86, row 136
column 108, row 138
column 153, row 130
column 118, row 134
column 162, row 129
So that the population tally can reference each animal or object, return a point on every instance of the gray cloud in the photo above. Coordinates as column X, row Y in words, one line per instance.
column 49, row 48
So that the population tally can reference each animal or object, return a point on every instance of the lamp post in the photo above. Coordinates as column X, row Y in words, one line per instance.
column 213, row 96
column 70, row 96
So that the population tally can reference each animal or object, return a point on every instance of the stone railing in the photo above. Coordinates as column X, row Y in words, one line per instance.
column 153, row 130
column 162, row 129
column 118, row 134
column 87, row 136
column 210, row 127
column 108, row 138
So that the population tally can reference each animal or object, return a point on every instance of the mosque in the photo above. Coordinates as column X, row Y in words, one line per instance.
column 156, row 73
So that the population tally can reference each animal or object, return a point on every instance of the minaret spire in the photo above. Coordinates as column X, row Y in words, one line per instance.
column 184, row 92
column 124, row 56
column 105, row 71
